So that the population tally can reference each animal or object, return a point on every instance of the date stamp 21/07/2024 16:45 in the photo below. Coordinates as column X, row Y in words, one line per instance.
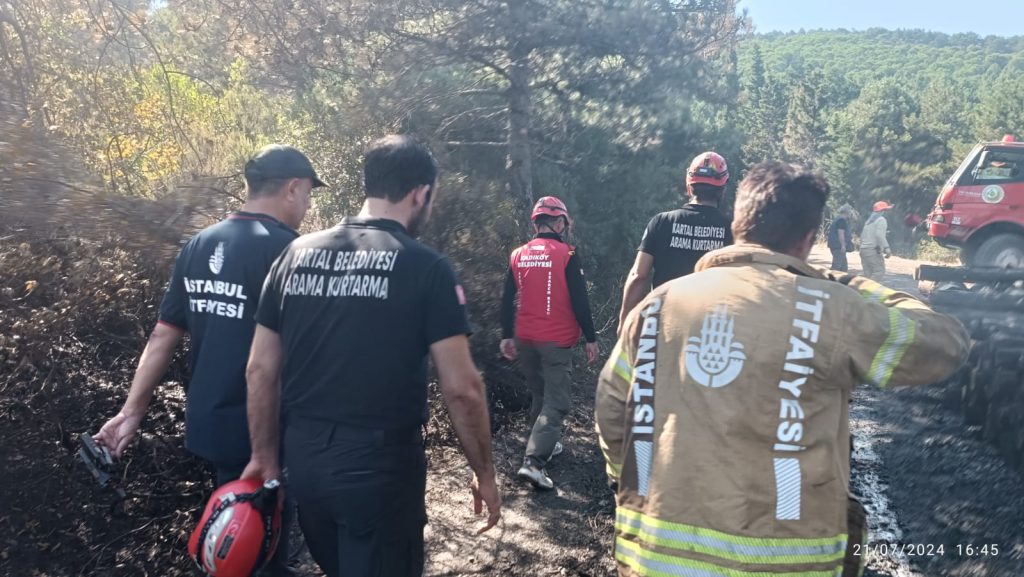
column 926, row 549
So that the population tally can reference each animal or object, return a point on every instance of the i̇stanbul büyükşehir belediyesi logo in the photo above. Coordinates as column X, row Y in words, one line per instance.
column 714, row 359
column 217, row 258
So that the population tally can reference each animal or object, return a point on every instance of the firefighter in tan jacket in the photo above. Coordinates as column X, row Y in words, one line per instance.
column 723, row 410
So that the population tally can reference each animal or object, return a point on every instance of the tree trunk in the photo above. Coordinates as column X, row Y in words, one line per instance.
column 519, row 162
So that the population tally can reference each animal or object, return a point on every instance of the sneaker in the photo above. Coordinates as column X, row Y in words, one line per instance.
column 537, row 477
column 557, row 450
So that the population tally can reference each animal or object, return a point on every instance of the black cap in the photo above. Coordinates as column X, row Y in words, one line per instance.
column 280, row 161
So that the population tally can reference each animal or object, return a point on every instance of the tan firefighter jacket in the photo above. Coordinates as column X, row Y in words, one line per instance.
column 723, row 411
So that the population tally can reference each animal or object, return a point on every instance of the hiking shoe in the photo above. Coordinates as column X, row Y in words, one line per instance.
column 557, row 450
column 537, row 477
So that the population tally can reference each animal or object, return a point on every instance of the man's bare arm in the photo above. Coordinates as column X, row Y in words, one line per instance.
column 119, row 431
column 637, row 285
column 464, row 394
column 264, row 404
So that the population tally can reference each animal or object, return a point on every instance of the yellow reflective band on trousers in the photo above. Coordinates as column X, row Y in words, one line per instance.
column 751, row 550
column 901, row 335
column 622, row 367
column 612, row 468
column 651, row 564
column 613, row 471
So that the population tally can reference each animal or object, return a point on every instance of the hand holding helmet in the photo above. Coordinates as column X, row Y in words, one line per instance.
column 239, row 529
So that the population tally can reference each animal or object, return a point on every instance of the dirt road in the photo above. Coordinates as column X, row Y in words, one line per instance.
column 938, row 497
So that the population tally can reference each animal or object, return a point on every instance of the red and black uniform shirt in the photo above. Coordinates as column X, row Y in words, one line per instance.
column 553, row 307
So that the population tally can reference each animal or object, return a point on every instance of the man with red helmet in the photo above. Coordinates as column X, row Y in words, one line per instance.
column 675, row 240
column 553, row 311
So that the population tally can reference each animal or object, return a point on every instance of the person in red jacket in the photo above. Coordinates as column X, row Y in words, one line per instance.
column 553, row 311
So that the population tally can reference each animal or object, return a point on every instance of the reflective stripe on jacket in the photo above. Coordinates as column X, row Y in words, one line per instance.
column 723, row 411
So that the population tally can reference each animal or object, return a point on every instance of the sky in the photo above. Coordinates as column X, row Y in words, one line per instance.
column 987, row 17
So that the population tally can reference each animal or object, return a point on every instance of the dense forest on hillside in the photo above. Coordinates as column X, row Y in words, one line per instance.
column 885, row 114
column 916, row 56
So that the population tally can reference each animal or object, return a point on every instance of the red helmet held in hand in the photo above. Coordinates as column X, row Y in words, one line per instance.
column 239, row 529
column 708, row 168
column 551, row 206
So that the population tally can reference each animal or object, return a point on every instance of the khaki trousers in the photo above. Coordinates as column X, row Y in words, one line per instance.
column 873, row 263
column 548, row 369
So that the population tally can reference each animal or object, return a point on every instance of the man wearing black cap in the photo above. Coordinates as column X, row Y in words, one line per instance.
column 213, row 295
column 346, row 322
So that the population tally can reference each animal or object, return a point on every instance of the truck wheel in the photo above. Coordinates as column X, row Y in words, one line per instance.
column 967, row 254
column 953, row 392
column 1001, row 387
column 1002, row 250
column 1013, row 441
column 1001, row 430
column 974, row 403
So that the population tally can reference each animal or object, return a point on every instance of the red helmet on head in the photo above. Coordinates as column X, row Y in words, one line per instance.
column 708, row 168
column 239, row 529
column 551, row 206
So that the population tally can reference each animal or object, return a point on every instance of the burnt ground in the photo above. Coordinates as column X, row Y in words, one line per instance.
column 948, row 491
column 937, row 493
column 567, row 531
column 925, row 478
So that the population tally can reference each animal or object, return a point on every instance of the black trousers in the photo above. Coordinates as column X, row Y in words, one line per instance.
column 278, row 564
column 360, row 494
column 839, row 260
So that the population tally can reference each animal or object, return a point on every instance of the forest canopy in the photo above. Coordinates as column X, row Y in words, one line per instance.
column 600, row 103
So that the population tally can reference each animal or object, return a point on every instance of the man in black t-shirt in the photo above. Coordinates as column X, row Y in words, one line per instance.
column 347, row 319
column 674, row 241
column 213, row 295
column 840, row 238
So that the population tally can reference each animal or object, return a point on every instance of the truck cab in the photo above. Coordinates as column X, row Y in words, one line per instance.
column 980, row 209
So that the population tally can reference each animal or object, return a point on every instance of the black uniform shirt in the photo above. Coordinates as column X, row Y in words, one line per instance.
column 357, row 307
column 678, row 238
column 213, row 294
column 839, row 226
